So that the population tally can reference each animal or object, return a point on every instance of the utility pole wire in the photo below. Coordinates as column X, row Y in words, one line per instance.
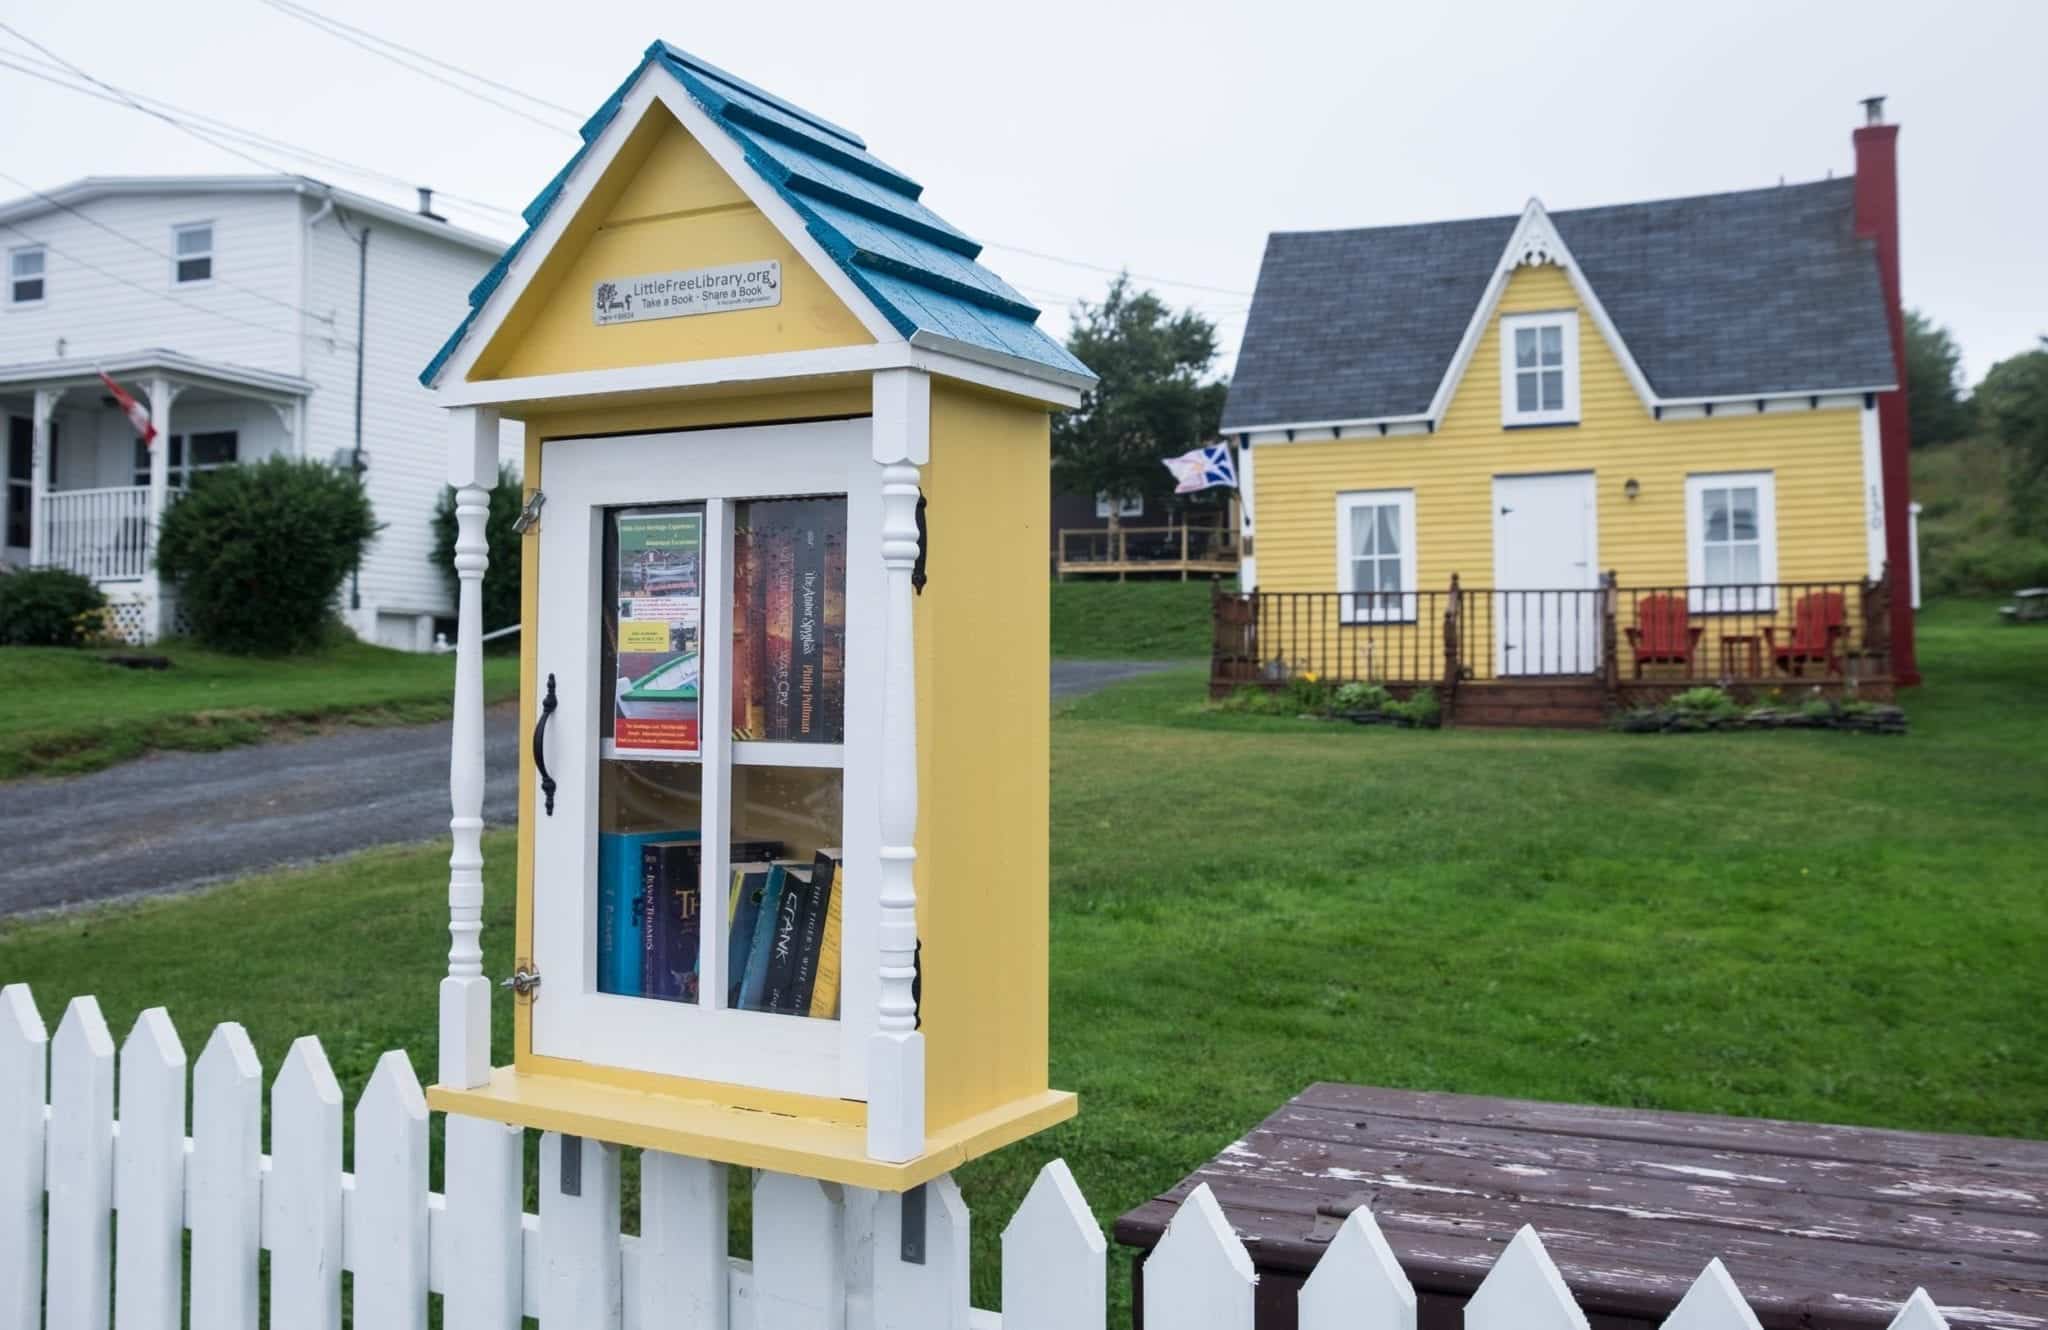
column 307, row 11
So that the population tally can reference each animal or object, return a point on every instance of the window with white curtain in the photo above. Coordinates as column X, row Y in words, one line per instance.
column 1376, row 556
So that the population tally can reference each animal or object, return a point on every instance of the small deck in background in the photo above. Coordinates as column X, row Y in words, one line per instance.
column 1631, row 1203
column 1151, row 551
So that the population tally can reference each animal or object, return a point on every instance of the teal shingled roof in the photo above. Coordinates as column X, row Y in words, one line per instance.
column 920, row 271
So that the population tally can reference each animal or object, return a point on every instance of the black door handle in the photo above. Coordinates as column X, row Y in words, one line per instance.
column 540, row 761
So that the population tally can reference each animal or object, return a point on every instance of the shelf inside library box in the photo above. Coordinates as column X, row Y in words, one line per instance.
column 829, row 1144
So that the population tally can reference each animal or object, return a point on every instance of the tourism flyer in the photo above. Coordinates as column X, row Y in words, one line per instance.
column 660, row 599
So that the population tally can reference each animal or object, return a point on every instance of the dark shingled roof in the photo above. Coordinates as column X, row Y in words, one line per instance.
column 1762, row 291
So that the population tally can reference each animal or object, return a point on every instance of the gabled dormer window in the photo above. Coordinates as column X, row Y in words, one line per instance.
column 25, row 275
column 1539, row 368
column 194, row 253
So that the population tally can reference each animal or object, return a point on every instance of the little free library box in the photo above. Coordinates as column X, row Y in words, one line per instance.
column 783, row 800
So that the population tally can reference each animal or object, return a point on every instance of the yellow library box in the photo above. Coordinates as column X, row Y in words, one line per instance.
column 783, row 782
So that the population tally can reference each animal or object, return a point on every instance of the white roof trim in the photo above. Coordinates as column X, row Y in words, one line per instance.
column 93, row 187
column 546, row 391
column 1535, row 241
column 956, row 349
column 78, row 371
column 654, row 84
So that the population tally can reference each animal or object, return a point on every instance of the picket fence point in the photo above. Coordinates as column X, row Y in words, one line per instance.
column 80, row 1169
column 1713, row 1303
column 1358, row 1281
column 24, row 1088
column 149, row 1176
column 1919, row 1313
column 1524, row 1291
column 1199, row 1277
column 1055, row 1270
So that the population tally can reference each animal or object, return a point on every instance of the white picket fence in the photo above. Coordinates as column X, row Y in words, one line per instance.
column 824, row 1257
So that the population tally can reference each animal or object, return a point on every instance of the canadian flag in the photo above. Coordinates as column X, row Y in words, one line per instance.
column 137, row 413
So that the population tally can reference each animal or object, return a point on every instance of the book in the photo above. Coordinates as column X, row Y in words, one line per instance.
column 818, row 904
column 760, row 944
column 807, row 627
column 835, row 634
column 778, row 989
column 621, row 913
column 779, row 553
column 674, row 928
column 749, row 885
column 742, row 640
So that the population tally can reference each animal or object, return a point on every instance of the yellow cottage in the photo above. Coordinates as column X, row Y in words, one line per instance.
column 1651, row 446
column 782, row 839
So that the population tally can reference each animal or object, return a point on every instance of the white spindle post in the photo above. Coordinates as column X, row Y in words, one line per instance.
column 465, row 1053
column 483, row 1279
column 224, row 1181
column 902, row 443
column 149, row 1177
column 39, row 474
column 386, row 1237
column 24, row 1072
column 302, row 1198
column 162, row 392
column 81, row 1169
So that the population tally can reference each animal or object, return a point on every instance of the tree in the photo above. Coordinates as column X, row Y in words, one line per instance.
column 1935, row 407
column 501, row 575
column 1151, row 402
column 2013, row 400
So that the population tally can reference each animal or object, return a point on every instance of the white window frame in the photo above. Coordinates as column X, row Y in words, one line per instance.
column 1106, row 507
column 1747, row 598
column 1348, row 607
column 179, row 257
column 1568, row 321
column 42, row 277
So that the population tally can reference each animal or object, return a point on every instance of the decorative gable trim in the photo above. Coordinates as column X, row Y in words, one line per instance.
column 559, row 205
column 1535, row 241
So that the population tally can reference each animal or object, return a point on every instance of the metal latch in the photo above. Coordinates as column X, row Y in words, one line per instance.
column 1330, row 1215
column 529, row 516
column 524, row 983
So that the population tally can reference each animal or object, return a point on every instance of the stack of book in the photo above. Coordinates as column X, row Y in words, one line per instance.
column 783, row 923
column 789, row 622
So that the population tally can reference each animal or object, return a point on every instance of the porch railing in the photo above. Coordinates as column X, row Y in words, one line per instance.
column 1782, row 633
column 1147, row 549
column 102, row 534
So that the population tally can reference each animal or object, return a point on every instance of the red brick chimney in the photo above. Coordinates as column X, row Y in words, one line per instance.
column 1877, row 216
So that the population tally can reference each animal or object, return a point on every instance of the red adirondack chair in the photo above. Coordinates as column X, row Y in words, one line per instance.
column 1663, row 633
column 1819, row 623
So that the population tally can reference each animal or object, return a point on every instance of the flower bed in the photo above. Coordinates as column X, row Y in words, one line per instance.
column 1311, row 698
column 1699, row 710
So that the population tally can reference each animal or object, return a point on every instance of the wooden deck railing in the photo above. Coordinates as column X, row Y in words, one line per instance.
column 1653, row 637
column 1122, row 550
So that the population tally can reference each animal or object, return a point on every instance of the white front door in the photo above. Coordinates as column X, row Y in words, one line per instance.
column 1546, row 611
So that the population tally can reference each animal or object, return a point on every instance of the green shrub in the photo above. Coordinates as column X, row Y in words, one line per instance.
column 47, row 607
column 1817, row 708
column 1421, row 708
column 259, row 551
column 1310, row 692
column 501, row 578
column 1362, row 697
column 1705, row 701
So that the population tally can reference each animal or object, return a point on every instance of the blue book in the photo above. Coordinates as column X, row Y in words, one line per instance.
column 750, row 883
column 621, row 913
column 760, row 953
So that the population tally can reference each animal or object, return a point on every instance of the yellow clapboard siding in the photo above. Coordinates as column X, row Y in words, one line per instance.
column 662, row 205
column 1815, row 455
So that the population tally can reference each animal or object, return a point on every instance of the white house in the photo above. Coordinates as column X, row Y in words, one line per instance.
column 235, row 309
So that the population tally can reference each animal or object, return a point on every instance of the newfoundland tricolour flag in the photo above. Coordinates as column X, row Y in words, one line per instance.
column 137, row 413
column 1204, row 468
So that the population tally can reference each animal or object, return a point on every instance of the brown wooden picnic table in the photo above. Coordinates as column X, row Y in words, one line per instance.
column 1821, row 1227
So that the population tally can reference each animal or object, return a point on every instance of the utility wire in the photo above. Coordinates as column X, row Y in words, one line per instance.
column 145, row 246
column 345, row 33
column 173, row 297
column 1114, row 272
column 157, row 107
column 307, row 12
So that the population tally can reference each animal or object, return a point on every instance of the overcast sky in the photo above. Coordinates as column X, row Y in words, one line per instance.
column 1167, row 138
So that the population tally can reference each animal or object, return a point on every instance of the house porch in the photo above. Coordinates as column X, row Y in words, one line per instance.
column 84, row 494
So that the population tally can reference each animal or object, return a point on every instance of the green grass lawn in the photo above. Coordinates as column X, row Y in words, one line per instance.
column 69, row 711
column 1809, row 925
column 1101, row 620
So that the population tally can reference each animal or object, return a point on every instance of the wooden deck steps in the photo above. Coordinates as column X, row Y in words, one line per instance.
column 1548, row 703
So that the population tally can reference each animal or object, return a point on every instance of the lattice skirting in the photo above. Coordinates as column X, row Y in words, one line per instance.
column 130, row 604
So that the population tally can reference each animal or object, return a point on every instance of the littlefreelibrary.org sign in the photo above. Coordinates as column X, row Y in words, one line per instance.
column 671, row 295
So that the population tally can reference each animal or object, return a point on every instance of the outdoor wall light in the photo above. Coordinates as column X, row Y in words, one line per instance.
column 1631, row 489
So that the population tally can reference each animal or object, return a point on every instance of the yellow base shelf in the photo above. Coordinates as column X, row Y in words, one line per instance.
column 702, row 1129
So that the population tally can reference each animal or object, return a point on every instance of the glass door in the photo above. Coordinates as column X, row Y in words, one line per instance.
column 704, row 869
